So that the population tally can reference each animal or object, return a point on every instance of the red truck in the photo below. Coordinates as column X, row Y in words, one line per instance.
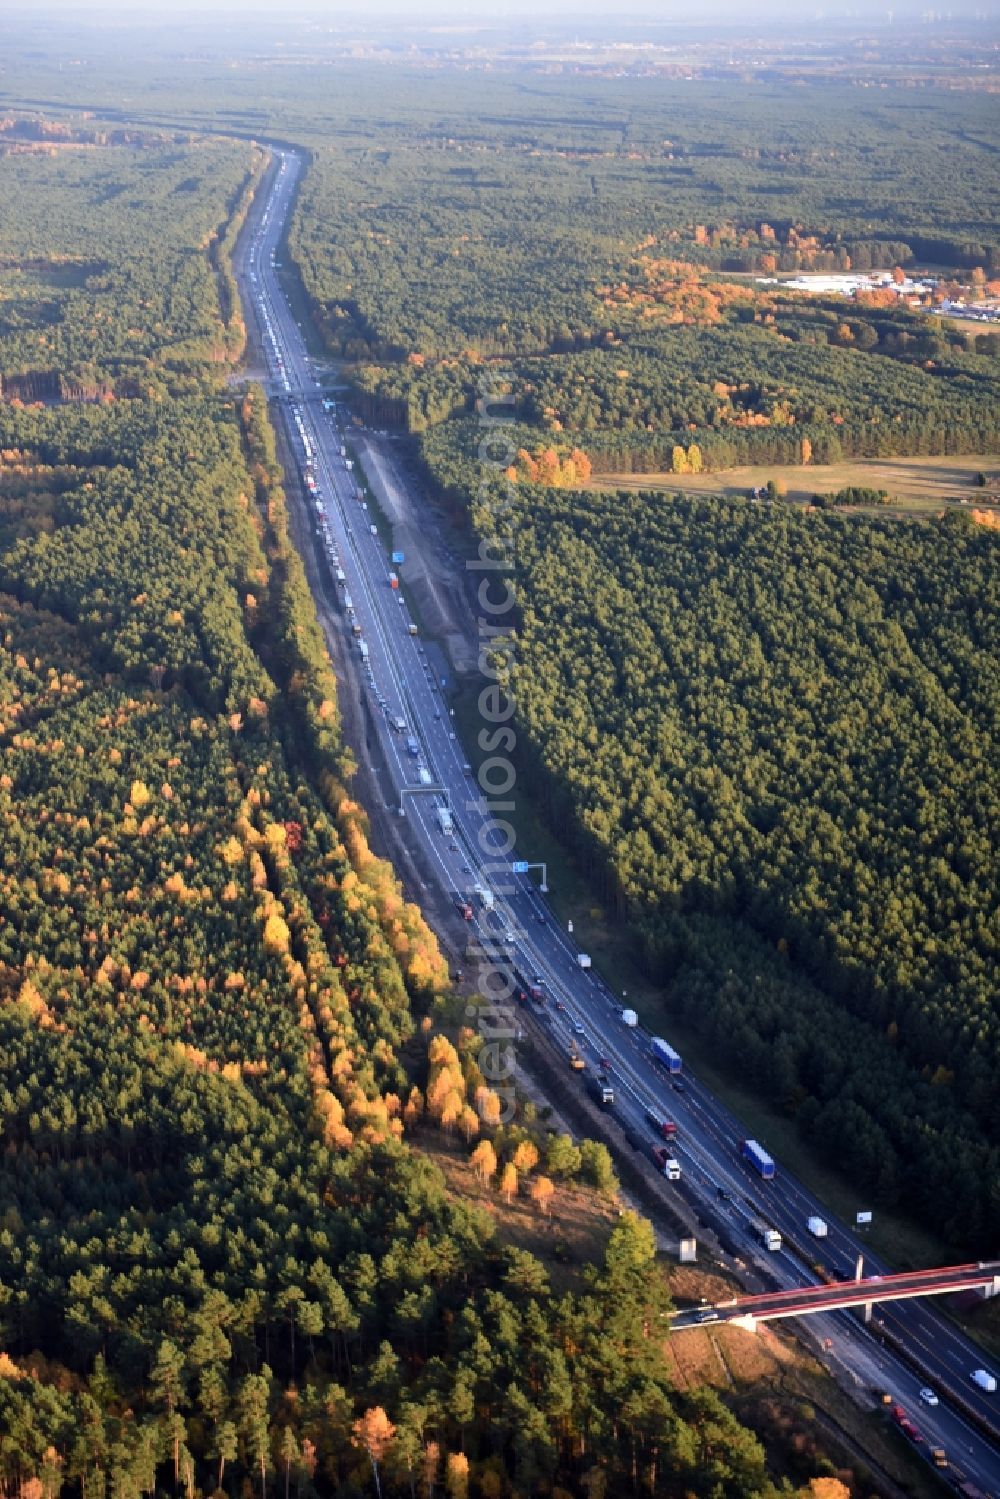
column 905, row 1425
column 665, row 1127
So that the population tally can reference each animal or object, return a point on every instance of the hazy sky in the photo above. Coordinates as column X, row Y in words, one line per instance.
column 426, row 12
column 264, row 21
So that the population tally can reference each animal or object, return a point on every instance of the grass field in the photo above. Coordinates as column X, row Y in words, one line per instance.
column 919, row 486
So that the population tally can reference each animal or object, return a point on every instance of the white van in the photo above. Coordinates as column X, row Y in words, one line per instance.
column 985, row 1380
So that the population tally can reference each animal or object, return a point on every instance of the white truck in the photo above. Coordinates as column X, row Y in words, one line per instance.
column 445, row 820
column 424, row 775
column 985, row 1380
column 768, row 1236
column 583, row 959
column 485, row 897
column 817, row 1227
column 630, row 1018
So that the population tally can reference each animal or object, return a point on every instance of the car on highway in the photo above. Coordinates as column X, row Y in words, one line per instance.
column 678, row 1086
column 605, row 1063
column 708, row 1314
column 578, row 1027
column 928, row 1396
column 559, row 1005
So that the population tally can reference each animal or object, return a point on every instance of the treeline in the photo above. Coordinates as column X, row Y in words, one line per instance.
column 769, row 738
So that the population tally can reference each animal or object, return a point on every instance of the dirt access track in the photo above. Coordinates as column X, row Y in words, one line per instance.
column 434, row 578
column 919, row 485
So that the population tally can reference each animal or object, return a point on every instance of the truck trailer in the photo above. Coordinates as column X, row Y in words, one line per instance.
column 445, row 820
column 666, row 1055
column 758, row 1157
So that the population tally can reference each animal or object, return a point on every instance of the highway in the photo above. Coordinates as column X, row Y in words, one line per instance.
column 463, row 848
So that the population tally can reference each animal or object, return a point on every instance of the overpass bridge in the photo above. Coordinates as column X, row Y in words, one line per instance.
column 863, row 1291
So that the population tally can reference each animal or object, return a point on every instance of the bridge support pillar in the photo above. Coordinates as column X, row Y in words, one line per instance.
column 868, row 1312
column 859, row 1268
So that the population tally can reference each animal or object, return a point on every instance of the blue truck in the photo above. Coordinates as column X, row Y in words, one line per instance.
column 758, row 1157
column 412, row 747
column 665, row 1055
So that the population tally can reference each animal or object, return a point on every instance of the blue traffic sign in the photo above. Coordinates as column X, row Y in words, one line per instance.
column 520, row 866
column 398, row 557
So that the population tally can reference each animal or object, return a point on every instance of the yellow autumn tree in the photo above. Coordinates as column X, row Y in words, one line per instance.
column 526, row 1156
column 488, row 1105
column 276, row 933
column 456, row 1479
column 508, row 1182
column 541, row 1193
column 414, row 1109
column 451, row 1111
column 484, row 1159
column 373, row 1433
